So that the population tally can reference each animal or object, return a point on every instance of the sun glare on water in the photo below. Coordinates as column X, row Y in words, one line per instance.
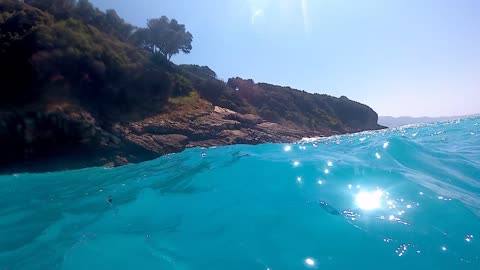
column 369, row 200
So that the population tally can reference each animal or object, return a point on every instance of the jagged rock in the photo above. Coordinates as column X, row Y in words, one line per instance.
column 121, row 160
column 73, row 132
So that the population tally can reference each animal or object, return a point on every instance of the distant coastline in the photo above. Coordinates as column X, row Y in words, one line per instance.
column 391, row 122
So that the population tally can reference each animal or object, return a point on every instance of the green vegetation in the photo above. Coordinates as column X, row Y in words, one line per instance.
column 164, row 36
column 205, row 81
column 108, row 22
column 62, row 49
column 68, row 50
column 280, row 104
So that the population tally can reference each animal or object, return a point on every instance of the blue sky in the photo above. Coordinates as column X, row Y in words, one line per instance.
column 405, row 57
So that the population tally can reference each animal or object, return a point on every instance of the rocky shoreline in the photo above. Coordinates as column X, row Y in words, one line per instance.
column 69, row 137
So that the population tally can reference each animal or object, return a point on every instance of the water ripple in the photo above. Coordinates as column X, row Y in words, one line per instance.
column 398, row 198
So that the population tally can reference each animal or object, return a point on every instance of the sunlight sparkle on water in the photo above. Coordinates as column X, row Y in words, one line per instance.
column 296, row 163
column 369, row 200
column 309, row 261
column 469, row 237
column 287, row 148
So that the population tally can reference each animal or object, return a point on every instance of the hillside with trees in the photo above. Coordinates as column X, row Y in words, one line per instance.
column 81, row 84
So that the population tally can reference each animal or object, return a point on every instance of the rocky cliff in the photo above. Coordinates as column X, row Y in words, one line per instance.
column 77, row 93
column 67, row 136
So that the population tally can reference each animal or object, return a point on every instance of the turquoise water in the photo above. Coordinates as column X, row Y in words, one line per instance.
column 393, row 199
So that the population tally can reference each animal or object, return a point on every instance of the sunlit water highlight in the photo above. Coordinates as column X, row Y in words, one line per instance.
column 407, row 198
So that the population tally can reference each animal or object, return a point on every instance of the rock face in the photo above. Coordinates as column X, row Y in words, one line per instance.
column 69, row 137
column 203, row 125
column 61, row 133
column 218, row 126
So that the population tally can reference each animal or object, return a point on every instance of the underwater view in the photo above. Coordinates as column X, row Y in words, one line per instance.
column 396, row 198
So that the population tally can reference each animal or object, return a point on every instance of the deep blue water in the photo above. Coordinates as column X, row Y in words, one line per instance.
column 392, row 199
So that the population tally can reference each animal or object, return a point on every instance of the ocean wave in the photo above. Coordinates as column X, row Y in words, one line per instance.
column 397, row 198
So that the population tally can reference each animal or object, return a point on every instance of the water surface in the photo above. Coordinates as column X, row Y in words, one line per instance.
column 407, row 198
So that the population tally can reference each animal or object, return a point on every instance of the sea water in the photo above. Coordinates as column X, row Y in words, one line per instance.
column 405, row 198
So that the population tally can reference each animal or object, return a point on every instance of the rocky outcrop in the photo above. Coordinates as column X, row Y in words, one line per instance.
column 204, row 125
column 52, row 139
column 69, row 137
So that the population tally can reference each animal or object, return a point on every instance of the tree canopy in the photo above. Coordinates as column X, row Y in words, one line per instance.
column 164, row 36
column 84, row 56
column 108, row 21
column 59, row 8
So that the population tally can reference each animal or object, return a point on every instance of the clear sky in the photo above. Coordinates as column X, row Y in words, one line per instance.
column 404, row 57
